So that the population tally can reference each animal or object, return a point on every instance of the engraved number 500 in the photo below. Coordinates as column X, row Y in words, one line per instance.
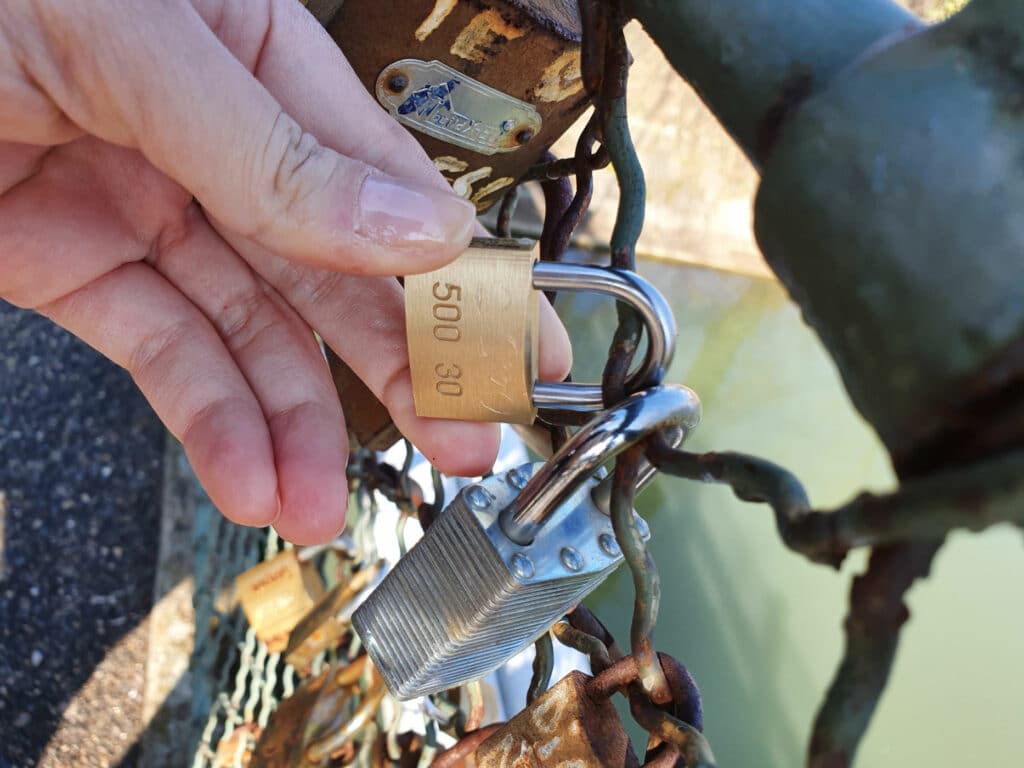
column 448, row 313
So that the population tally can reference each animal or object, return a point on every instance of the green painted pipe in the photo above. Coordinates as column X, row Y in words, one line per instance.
column 892, row 198
column 748, row 59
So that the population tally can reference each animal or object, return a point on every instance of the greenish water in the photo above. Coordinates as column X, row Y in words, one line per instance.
column 760, row 627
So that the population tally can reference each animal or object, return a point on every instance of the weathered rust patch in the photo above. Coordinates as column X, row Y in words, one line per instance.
column 489, row 189
column 562, row 78
column 565, row 727
column 450, row 164
column 463, row 186
column 483, row 36
column 435, row 18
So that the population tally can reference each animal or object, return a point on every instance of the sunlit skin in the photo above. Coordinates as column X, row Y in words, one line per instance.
column 193, row 188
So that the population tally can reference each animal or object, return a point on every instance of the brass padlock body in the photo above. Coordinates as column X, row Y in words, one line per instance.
column 472, row 329
column 526, row 50
column 564, row 727
column 275, row 595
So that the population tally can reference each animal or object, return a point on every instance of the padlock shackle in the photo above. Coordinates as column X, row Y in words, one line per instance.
column 625, row 286
column 604, row 437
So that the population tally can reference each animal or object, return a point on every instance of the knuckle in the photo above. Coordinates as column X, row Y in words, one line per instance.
column 207, row 412
column 170, row 238
column 293, row 169
column 154, row 354
column 308, row 287
column 242, row 318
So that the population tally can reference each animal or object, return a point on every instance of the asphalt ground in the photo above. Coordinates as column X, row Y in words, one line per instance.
column 80, row 481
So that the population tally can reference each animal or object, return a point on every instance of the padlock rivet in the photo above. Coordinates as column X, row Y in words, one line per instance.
column 522, row 566
column 524, row 136
column 517, row 478
column 398, row 82
column 571, row 559
column 609, row 544
column 478, row 497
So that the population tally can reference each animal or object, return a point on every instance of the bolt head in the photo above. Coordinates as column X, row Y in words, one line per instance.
column 524, row 136
column 609, row 545
column 517, row 478
column 398, row 82
column 522, row 566
column 478, row 497
column 571, row 559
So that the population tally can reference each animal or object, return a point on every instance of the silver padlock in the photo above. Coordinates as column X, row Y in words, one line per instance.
column 508, row 557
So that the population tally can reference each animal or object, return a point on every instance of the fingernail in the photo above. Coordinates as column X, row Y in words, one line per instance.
column 401, row 213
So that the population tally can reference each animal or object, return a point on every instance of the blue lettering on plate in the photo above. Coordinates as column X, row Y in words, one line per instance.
column 425, row 100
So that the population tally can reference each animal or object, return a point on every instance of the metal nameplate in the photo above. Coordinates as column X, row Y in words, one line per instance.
column 433, row 98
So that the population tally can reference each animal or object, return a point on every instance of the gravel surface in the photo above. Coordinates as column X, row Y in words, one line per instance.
column 80, row 480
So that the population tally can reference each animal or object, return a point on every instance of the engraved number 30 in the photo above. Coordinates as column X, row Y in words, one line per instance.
column 445, row 374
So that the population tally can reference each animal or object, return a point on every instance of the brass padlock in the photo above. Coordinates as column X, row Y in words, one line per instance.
column 485, row 86
column 472, row 332
column 565, row 726
column 275, row 595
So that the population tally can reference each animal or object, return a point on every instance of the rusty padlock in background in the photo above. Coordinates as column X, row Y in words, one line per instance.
column 565, row 726
column 472, row 331
column 321, row 718
column 486, row 86
column 575, row 724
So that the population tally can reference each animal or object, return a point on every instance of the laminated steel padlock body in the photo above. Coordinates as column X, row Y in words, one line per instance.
column 472, row 333
column 507, row 558
column 468, row 598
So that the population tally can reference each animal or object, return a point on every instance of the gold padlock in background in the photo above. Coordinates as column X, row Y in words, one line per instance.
column 472, row 328
column 275, row 595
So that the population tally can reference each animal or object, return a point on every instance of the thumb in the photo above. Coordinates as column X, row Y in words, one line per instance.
column 163, row 82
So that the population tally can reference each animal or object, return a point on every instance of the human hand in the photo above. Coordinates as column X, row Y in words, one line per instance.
column 184, row 186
